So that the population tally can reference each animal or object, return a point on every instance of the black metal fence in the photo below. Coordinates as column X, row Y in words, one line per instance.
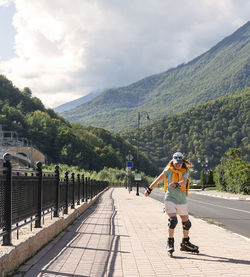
column 26, row 196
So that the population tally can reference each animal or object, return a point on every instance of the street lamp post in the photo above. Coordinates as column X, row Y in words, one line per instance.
column 137, row 146
column 129, row 165
column 203, row 163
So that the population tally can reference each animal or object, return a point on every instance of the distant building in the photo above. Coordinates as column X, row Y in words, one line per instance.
column 21, row 149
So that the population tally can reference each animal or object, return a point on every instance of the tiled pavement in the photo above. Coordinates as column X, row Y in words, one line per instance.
column 125, row 235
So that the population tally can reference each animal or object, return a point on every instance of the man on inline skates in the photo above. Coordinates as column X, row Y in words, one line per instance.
column 176, row 177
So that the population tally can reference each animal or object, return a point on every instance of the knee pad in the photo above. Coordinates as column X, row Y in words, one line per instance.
column 186, row 225
column 172, row 222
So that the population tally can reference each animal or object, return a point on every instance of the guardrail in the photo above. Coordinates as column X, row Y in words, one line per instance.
column 27, row 195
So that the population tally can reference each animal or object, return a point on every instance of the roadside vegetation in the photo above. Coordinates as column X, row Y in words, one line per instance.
column 115, row 176
column 233, row 173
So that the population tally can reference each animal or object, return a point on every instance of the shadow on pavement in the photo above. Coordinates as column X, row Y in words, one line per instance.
column 42, row 266
column 213, row 258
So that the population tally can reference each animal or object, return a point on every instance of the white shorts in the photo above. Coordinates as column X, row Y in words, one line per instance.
column 172, row 208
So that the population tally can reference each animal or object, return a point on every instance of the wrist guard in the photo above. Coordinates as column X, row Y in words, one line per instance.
column 177, row 185
column 149, row 190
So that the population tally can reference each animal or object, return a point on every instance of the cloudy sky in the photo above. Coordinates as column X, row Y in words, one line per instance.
column 64, row 49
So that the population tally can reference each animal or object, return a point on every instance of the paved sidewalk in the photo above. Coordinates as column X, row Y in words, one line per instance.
column 125, row 235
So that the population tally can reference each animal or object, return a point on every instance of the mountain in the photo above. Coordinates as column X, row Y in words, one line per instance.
column 72, row 104
column 223, row 69
column 207, row 130
column 91, row 148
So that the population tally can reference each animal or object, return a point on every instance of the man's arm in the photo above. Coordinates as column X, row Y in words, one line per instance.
column 154, row 183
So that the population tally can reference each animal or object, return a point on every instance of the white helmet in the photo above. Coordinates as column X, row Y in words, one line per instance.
column 178, row 158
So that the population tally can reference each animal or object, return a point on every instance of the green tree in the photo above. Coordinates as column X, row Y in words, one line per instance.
column 233, row 174
column 27, row 91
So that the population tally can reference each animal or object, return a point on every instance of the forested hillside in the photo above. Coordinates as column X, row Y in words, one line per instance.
column 72, row 104
column 88, row 147
column 207, row 130
column 223, row 69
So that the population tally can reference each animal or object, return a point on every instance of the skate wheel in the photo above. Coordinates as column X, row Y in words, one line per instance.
column 170, row 254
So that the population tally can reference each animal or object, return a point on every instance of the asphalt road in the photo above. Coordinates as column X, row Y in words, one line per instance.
column 233, row 215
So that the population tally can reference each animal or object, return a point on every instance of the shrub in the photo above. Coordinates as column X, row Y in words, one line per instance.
column 233, row 174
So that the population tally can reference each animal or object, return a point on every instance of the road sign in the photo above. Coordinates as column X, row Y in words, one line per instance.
column 137, row 176
column 129, row 164
column 128, row 170
column 129, row 157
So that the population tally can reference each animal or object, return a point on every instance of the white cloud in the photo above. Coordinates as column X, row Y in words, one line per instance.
column 65, row 49
column 4, row 3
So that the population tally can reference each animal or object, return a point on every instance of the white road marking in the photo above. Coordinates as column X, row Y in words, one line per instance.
column 206, row 203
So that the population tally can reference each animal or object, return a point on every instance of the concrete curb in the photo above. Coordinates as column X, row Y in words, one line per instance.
column 28, row 248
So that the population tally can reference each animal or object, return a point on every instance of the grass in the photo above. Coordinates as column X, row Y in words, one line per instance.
column 209, row 220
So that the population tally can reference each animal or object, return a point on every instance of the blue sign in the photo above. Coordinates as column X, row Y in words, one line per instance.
column 129, row 164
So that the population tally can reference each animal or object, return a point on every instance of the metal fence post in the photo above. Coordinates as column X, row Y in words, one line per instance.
column 67, row 193
column 78, row 189
column 39, row 195
column 94, row 188
column 56, row 211
column 83, row 188
column 73, row 190
column 87, row 188
column 8, row 201
column 91, row 189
